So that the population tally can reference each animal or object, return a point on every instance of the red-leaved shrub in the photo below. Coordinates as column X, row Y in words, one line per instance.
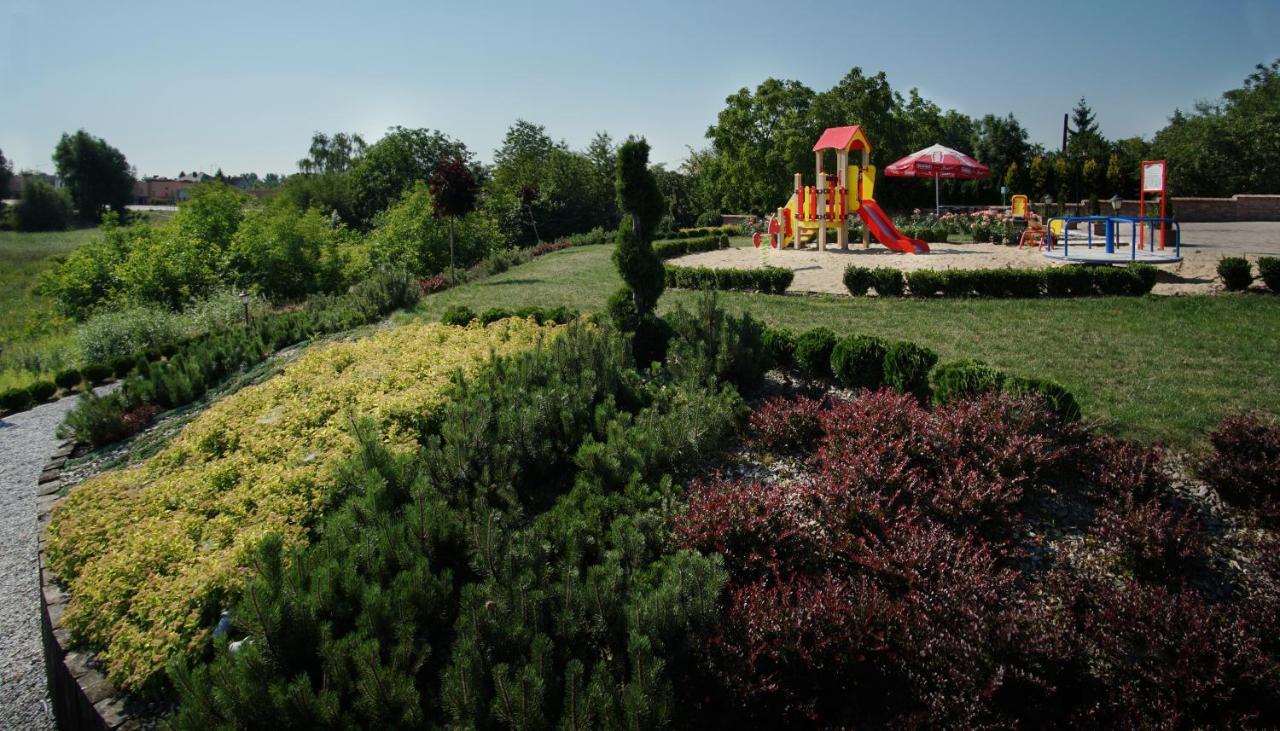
column 786, row 424
column 434, row 284
column 1120, row 468
column 878, row 589
column 1157, row 542
column 1244, row 465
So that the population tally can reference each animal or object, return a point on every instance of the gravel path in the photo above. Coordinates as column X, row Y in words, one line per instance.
column 26, row 441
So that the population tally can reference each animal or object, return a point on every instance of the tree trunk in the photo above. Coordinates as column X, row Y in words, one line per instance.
column 453, row 266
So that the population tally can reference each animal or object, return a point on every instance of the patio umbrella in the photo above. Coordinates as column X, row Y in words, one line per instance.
column 938, row 162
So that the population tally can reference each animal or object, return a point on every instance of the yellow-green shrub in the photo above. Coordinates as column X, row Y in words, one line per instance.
column 150, row 553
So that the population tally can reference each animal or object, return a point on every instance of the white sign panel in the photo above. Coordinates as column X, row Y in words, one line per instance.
column 1153, row 177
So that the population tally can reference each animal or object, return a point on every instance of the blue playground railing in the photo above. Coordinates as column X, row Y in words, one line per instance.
column 1147, row 224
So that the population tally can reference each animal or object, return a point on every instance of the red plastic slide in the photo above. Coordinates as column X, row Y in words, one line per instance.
column 885, row 232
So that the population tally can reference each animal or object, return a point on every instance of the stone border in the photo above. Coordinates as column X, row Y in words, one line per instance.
column 82, row 696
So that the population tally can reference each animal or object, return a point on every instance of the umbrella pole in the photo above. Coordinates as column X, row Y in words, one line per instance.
column 937, row 202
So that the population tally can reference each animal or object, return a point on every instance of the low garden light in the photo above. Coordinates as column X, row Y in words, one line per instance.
column 244, row 300
column 1116, row 203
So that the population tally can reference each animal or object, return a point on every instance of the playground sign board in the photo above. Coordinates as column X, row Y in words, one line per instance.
column 1153, row 177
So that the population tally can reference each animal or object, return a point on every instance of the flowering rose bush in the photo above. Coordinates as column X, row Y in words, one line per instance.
column 150, row 553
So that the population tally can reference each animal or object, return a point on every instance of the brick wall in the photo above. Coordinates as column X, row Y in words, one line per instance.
column 1240, row 207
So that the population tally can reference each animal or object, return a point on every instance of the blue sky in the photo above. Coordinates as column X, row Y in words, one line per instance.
column 242, row 85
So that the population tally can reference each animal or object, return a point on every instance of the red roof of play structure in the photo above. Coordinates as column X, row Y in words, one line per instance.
column 840, row 138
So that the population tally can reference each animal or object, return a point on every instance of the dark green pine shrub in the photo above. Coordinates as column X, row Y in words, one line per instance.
column 960, row 379
column 906, row 368
column 888, row 282
column 42, row 391
column 1269, row 270
column 779, row 347
column 857, row 361
column 516, row 571
column 1236, row 273
column 68, row 379
column 1055, row 396
column 97, row 420
column 712, row 346
column 459, row 315
column 15, row 399
column 858, row 280
column 96, row 373
column 813, row 352
column 493, row 314
column 926, row 282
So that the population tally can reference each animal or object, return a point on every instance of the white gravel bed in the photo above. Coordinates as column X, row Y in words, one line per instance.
column 26, row 443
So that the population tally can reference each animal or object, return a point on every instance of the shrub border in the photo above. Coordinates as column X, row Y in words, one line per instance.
column 1073, row 280
column 82, row 697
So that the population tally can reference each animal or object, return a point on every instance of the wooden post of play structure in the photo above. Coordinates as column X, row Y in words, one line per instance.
column 842, row 187
column 866, row 232
column 822, row 211
column 795, row 220
column 780, row 242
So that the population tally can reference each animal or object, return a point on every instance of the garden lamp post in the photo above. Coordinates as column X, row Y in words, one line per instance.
column 1116, row 203
column 1048, row 201
column 244, row 300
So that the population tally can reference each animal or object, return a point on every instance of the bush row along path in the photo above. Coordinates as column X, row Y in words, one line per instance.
column 26, row 442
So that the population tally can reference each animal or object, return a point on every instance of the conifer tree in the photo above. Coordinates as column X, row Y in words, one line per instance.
column 642, row 205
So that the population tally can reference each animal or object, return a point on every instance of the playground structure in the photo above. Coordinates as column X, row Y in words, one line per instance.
column 814, row 210
column 1057, row 238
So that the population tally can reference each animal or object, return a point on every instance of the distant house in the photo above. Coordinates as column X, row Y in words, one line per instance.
column 157, row 190
column 20, row 181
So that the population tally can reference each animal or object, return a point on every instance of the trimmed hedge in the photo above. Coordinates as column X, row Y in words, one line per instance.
column 1236, row 273
column 769, row 280
column 858, row 361
column 813, row 352
column 959, row 379
column 96, row 373
column 703, row 232
column 906, row 368
column 1269, row 270
column 1059, row 400
column 670, row 249
column 42, row 391
column 1066, row 281
column 68, row 379
column 15, row 399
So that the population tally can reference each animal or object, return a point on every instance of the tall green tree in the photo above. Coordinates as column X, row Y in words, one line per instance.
column 332, row 154
column 643, row 277
column 96, row 174
column 395, row 163
column 6, row 174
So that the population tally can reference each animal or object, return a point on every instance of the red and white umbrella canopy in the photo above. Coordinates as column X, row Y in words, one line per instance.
column 938, row 161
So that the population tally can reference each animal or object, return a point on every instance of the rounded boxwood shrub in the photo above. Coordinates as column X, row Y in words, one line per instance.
column 813, row 352
column 1236, row 273
column 858, row 361
column 459, row 315
column 906, row 368
column 780, row 347
column 963, row 378
column 122, row 365
column 1056, row 397
column 1269, row 270
column 15, row 399
column 42, row 391
column 888, row 282
column 96, row 373
column 857, row 280
column 1145, row 278
column 68, row 379
column 493, row 314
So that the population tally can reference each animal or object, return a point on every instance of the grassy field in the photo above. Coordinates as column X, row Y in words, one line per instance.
column 1161, row 368
column 30, row 324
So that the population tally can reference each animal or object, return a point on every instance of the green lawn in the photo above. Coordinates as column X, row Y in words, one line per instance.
column 30, row 322
column 1152, row 367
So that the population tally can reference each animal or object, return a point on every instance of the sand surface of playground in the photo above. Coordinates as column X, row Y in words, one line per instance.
column 819, row 271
